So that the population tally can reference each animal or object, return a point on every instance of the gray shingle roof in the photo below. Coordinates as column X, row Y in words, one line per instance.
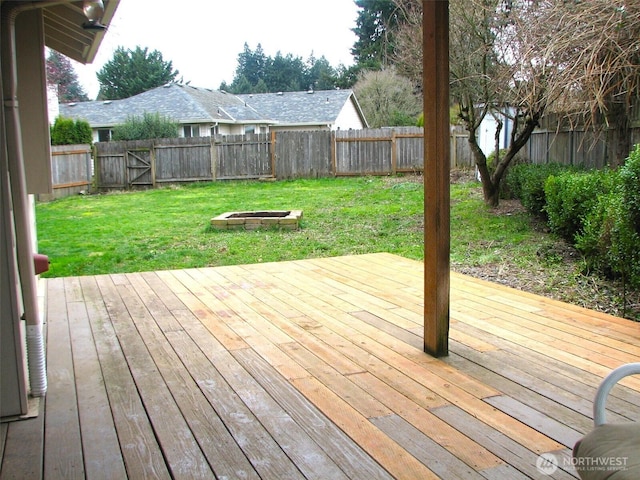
column 312, row 107
column 181, row 103
column 187, row 104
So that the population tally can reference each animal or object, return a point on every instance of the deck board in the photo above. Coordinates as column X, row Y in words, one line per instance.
column 140, row 452
column 312, row 369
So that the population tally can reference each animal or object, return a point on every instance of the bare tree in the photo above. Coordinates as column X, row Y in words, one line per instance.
column 492, row 74
column 407, row 54
column 594, row 47
column 387, row 99
column 520, row 59
column 492, row 71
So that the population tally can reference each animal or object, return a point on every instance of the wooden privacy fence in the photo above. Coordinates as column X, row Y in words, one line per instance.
column 569, row 147
column 279, row 155
column 379, row 151
column 71, row 171
column 288, row 154
column 573, row 146
column 147, row 163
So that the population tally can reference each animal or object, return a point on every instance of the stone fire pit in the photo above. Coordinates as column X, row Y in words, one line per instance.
column 285, row 219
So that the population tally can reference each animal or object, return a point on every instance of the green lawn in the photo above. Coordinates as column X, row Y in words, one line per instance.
column 169, row 228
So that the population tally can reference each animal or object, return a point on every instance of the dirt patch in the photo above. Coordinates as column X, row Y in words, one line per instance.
column 559, row 273
column 462, row 175
column 508, row 207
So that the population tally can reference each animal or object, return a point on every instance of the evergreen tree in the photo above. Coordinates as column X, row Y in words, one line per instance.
column 240, row 84
column 376, row 22
column 320, row 74
column 285, row 74
column 130, row 72
column 252, row 65
column 259, row 73
column 346, row 77
column 60, row 72
column 260, row 87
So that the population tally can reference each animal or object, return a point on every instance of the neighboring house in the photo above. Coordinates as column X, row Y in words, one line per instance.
column 202, row 112
column 311, row 110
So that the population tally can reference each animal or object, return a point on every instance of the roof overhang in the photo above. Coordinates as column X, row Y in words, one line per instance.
column 64, row 32
column 359, row 109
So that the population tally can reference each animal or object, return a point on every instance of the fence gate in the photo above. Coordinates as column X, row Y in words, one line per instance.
column 139, row 168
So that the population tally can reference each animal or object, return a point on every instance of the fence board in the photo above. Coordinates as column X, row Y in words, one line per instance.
column 71, row 171
column 243, row 156
column 313, row 154
column 409, row 149
column 183, row 160
column 364, row 152
column 303, row 154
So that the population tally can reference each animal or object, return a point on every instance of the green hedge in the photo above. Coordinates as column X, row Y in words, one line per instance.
column 597, row 210
column 571, row 196
column 149, row 126
column 610, row 240
column 66, row 131
column 526, row 182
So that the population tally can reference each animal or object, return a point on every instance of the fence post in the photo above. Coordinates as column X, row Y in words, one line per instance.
column 272, row 152
column 333, row 159
column 92, row 158
column 453, row 147
column 214, row 158
column 394, row 152
column 152, row 160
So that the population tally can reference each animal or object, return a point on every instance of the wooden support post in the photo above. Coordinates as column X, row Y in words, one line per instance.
column 435, row 76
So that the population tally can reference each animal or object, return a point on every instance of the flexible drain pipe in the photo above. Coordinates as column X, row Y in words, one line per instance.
column 35, row 342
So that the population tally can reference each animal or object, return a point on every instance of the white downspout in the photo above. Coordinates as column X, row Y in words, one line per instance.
column 35, row 342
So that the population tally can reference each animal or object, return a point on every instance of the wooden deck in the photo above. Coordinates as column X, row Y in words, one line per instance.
column 311, row 369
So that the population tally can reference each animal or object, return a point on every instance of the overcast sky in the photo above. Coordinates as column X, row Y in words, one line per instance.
column 204, row 37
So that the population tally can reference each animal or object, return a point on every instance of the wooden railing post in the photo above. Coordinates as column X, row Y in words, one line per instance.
column 436, row 176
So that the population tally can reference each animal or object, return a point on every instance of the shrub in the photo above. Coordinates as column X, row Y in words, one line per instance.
column 611, row 233
column 609, row 241
column 83, row 132
column 148, row 127
column 630, row 185
column 65, row 131
column 571, row 196
column 526, row 182
column 491, row 159
column 505, row 190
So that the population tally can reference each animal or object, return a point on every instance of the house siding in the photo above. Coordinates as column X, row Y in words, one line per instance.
column 348, row 118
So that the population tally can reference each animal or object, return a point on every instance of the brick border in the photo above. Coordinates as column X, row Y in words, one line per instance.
column 288, row 222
